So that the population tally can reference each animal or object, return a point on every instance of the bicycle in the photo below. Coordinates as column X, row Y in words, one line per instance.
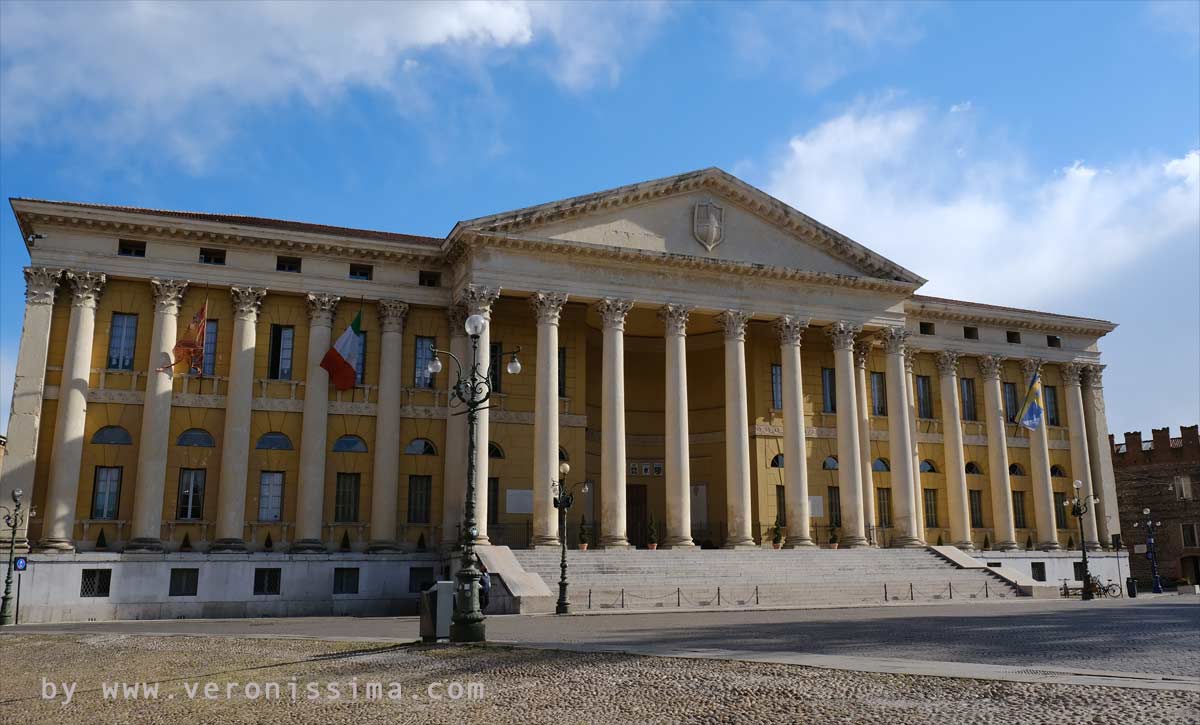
column 1111, row 589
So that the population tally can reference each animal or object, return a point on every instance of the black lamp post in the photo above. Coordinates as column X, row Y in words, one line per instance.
column 563, row 498
column 1151, row 553
column 472, row 390
column 13, row 520
column 1079, row 508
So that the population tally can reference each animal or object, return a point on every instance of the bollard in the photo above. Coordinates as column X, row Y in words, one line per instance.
column 622, row 597
column 678, row 598
column 950, row 586
column 911, row 598
column 589, row 599
column 885, row 596
column 985, row 589
column 756, row 594
column 718, row 596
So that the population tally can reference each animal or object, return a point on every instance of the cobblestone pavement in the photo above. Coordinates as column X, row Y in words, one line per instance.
column 518, row 686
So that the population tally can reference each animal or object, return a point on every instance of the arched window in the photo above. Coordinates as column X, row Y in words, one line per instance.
column 881, row 465
column 974, row 469
column 420, row 447
column 830, row 464
column 112, row 435
column 777, row 461
column 928, row 467
column 562, row 455
column 274, row 441
column 494, row 450
column 1014, row 469
column 349, row 444
column 1057, row 471
column 197, row 437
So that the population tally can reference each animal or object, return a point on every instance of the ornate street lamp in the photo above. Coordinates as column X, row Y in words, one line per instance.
column 563, row 498
column 13, row 520
column 471, row 391
column 1151, row 526
column 1079, row 508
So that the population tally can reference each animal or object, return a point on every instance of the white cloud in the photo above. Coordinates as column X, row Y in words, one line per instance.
column 917, row 186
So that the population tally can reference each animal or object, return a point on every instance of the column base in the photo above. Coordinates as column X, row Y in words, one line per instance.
column 907, row 542
column 797, row 542
column 614, row 542
column 145, row 544
column 228, row 546
column 482, row 540
column 740, row 544
column 855, row 542
column 1006, row 546
column 1049, row 546
column 384, row 546
column 964, row 545
column 1093, row 546
column 308, row 546
column 20, row 546
column 541, row 541
column 555, row 546
column 682, row 542
column 56, row 544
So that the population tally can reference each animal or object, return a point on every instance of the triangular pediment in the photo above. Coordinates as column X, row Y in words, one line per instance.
column 707, row 214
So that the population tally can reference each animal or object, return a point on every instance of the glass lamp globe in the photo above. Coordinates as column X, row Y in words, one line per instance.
column 17, row 494
column 564, row 468
column 584, row 488
column 1077, row 485
column 475, row 325
column 514, row 366
column 435, row 365
column 1145, row 512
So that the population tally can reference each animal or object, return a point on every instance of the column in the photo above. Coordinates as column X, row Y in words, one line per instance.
column 1039, row 463
column 795, row 451
column 737, row 432
column 849, row 469
column 678, row 453
column 235, row 441
column 862, row 350
column 1005, row 532
column 910, row 395
column 29, row 387
column 952, row 444
column 156, row 418
column 1099, row 455
column 547, row 306
column 612, row 424
column 454, row 484
column 1081, row 465
column 478, row 300
column 385, row 482
column 900, row 441
column 67, row 451
column 314, row 430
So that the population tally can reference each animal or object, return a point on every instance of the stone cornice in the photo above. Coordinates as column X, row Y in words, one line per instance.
column 991, row 315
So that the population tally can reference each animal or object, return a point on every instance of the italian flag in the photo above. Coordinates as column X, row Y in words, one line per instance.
column 342, row 357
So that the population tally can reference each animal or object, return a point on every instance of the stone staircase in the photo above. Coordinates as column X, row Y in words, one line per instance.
column 695, row 578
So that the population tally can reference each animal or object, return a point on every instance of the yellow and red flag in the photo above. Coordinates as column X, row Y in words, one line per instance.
column 190, row 346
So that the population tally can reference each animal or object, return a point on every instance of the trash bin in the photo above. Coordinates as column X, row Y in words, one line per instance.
column 1131, row 586
column 437, row 604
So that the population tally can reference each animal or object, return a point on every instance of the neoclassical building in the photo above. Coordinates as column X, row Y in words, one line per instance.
column 712, row 360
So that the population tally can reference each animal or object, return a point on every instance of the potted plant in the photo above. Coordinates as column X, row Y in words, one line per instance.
column 833, row 538
column 583, row 533
column 777, row 533
column 651, row 535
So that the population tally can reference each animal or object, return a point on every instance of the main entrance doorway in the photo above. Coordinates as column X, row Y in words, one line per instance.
column 635, row 516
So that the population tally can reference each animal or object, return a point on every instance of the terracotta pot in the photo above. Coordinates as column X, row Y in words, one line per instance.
column 775, row 546
column 833, row 546
column 583, row 547
column 651, row 547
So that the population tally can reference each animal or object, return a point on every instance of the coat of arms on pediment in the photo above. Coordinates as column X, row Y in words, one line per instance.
column 708, row 224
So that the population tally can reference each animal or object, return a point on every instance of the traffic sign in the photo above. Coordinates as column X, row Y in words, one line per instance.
column 21, row 563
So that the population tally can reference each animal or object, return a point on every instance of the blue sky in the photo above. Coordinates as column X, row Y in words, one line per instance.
column 1035, row 155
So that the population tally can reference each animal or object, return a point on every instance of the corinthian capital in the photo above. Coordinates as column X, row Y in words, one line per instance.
column 1031, row 366
column 86, row 287
column 613, row 312
column 675, row 318
column 947, row 363
column 40, row 285
column 168, row 293
column 910, row 357
column 321, row 308
column 1093, row 376
column 547, row 306
column 734, row 322
column 456, row 317
column 247, row 301
column 893, row 338
column 989, row 366
column 1070, row 373
column 478, row 299
column 862, row 350
column 391, row 315
column 790, row 329
column 842, row 334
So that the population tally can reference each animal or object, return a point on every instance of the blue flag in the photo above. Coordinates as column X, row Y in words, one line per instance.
column 1031, row 410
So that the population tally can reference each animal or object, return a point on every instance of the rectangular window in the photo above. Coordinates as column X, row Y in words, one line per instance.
column 429, row 279
column 966, row 390
column 191, row 494
column 95, row 582
column 208, row 365
column 1038, row 570
column 828, row 390
column 184, row 583
column 493, row 515
column 970, row 333
column 781, row 505
column 282, row 339
column 1183, row 488
column 1189, row 535
column 345, row 580
column 362, row 272
column 927, row 328
column 835, row 506
column 924, row 397
column 422, row 378
column 975, row 503
column 1011, row 404
column 495, row 366
column 1018, row 499
column 1013, row 337
column 420, row 578
column 360, row 361
column 777, row 387
column 420, row 492
column 266, row 581
column 122, row 340
column 1053, row 341
column 270, row 495
column 127, row 248
column 562, row 372
column 287, row 264
column 931, row 508
column 878, row 394
column 106, row 494
column 883, row 506
column 1060, row 510
column 345, row 506
column 1050, row 393
column 1078, row 570
column 212, row 256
